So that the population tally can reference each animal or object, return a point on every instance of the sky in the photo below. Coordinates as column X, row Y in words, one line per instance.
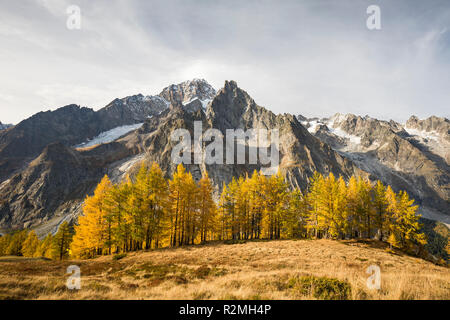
column 311, row 57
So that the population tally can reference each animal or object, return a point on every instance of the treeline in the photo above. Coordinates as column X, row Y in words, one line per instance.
column 26, row 243
column 148, row 211
column 330, row 208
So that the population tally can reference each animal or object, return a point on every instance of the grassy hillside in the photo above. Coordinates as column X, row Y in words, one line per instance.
column 289, row 269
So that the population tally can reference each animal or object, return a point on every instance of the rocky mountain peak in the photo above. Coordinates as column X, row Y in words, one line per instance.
column 229, row 105
column 363, row 126
column 413, row 119
column 230, row 85
column 132, row 109
column 439, row 125
column 187, row 91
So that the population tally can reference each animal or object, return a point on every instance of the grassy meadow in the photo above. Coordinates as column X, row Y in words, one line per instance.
column 284, row 269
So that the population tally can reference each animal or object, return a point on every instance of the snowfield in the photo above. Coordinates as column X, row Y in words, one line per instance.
column 312, row 125
column 354, row 140
column 110, row 135
column 429, row 135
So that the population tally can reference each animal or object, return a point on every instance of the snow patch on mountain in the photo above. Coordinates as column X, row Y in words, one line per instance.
column 311, row 126
column 355, row 140
column 110, row 135
column 338, row 118
column 429, row 135
column 432, row 141
column 332, row 125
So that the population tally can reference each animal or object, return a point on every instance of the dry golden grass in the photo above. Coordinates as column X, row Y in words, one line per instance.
column 252, row 270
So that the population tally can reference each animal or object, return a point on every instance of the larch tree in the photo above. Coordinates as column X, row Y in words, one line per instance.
column 45, row 247
column 30, row 245
column 182, row 197
column 380, row 209
column 15, row 245
column 92, row 231
column 158, row 205
column 207, row 207
column 408, row 226
column 4, row 242
column 313, row 199
column 341, row 212
column 62, row 241
column 294, row 223
column 118, row 218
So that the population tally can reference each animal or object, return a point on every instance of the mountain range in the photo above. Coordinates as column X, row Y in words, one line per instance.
column 52, row 160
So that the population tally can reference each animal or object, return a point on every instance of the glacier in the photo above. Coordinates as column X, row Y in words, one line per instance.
column 110, row 135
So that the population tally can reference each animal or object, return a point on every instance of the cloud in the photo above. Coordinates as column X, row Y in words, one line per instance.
column 312, row 57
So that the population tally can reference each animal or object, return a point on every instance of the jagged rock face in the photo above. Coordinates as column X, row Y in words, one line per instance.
column 4, row 126
column 324, row 134
column 187, row 91
column 435, row 124
column 228, row 107
column 300, row 153
column 133, row 109
column 193, row 106
column 368, row 129
column 52, row 186
column 69, row 125
column 431, row 136
column 395, row 154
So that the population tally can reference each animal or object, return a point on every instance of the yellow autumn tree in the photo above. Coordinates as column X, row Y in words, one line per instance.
column 30, row 245
column 4, row 242
column 275, row 204
column 91, row 232
column 207, row 208
column 316, row 188
column 407, row 227
column 295, row 220
column 118, row 220
column 158, row 205
column 183, row 197
column 45, row 247
column 62, row 241
column 380, row 205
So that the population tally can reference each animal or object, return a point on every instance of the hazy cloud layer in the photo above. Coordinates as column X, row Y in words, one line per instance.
column 310, row 57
